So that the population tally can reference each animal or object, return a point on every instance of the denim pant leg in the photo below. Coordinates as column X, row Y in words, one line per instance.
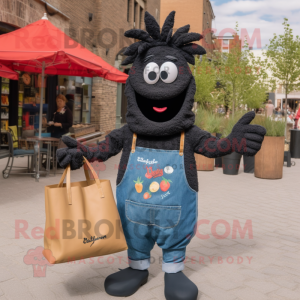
column 140, row 244
column 173, row 260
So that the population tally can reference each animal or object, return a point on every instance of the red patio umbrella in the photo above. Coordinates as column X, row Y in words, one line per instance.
column 8, row 73
column 43, row 48
column 27, row 48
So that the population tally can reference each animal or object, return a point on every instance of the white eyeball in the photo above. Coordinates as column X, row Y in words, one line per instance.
column 151, row 73
column 168, row 72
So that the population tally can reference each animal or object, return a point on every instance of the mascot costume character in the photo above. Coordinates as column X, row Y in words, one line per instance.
column 157, row 185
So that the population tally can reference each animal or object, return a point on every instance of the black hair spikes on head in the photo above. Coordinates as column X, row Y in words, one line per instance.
column 168, row 26
column 152, row 27
column 180, row 31
column 181, row 40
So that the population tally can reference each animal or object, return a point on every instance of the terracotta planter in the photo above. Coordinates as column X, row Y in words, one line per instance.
column 204, row 163
column 269, row 160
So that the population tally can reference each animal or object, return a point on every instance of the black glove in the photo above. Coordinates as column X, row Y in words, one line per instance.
column 74, row 154
column 247, row 139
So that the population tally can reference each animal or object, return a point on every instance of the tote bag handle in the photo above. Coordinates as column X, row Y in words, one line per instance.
column 67, row 175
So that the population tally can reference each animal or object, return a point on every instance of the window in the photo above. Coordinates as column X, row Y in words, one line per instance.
column 30, row 88
column 128, row 10
column 78, row 91
column 135, row 11
column 4, row 104
column 225, row 42
column 141, row 17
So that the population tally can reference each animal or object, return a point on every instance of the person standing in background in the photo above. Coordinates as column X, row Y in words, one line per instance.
column 297, row 117
column 269, row 108
column 62, row 118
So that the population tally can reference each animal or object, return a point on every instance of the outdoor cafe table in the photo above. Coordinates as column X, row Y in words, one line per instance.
column 52, row 144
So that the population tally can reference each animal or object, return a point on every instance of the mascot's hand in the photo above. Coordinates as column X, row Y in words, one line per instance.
column 247, row 139
column 73, row 155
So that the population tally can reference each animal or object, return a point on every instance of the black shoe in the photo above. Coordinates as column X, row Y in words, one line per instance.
column 125, row 282
column 179, row 287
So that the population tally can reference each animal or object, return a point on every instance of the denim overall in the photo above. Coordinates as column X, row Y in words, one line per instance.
column 156, row 204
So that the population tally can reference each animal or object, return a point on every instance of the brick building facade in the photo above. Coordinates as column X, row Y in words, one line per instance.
column 227, row 43
column 99, row 25
column 198, row 13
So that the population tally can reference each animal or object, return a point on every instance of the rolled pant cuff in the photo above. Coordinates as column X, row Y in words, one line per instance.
column 139, row 264
column 172, row 267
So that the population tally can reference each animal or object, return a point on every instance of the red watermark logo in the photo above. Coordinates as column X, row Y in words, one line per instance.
column 65, row 229
column 107, row 38
column 235, row 230
column 38, row 261
column 201, row 260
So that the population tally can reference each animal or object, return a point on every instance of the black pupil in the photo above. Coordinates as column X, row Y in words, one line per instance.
column 152, row 75
column 164, row 75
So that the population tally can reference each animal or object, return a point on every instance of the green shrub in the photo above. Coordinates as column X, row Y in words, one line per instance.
column 208, row 120
column 274, row 128
column 215, row 123
column 228, row 123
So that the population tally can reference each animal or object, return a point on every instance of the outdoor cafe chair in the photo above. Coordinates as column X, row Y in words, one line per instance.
column 16, row 153
column 4, row 153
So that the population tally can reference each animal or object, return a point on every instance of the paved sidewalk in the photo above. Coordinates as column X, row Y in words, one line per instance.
column 266, row 266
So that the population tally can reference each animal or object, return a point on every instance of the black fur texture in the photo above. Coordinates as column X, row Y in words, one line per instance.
column 181, row 40
column 162, row 130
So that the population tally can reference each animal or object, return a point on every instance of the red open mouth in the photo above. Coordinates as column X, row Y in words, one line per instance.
column 160, row 110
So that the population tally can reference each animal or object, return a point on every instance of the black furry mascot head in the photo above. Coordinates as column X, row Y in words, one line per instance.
column 160, row 88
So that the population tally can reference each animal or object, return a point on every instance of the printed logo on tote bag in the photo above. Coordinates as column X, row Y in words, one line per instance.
column 93, row 239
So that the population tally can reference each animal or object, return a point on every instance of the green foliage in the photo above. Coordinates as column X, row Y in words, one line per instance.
column 209, row 121
column 228, row 123
column 204, row 73
column 274, row 128
column 213, row 123
column 283, row 55
column 242, row 79
column 200, row 118
column 242, row 76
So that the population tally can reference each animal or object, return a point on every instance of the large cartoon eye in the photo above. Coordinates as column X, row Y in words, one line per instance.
column 151, row 73
column 168, row 72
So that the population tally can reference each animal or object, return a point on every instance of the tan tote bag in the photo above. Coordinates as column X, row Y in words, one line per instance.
column 82, row 219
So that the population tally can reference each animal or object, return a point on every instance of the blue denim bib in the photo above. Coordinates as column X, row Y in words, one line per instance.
column 156, row 203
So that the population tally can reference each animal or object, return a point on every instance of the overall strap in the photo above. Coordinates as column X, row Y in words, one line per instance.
column 133, row 143
column 180, row 149
column 181, row 144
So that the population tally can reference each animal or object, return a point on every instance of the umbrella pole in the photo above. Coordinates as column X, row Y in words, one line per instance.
column 41, row 103
column 40, row 124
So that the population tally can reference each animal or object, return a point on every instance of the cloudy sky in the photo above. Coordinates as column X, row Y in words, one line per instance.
column 259, row 17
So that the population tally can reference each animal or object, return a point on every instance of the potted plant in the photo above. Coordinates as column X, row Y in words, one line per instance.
column 210, row 122
column 269, row 160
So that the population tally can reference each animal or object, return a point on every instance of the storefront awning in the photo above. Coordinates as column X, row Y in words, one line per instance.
column 26, row 49
column 8, row 73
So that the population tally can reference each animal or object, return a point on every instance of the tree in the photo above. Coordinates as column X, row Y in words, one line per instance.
column 283, row 55
column 242, row 75
column 205, row 77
